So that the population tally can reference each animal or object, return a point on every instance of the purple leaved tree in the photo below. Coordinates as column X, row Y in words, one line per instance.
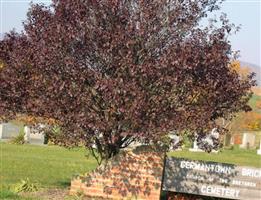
column 113, row 72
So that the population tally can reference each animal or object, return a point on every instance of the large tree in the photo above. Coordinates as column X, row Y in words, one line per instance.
column 112, row 72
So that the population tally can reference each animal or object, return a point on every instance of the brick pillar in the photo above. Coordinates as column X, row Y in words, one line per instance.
column 132, row 174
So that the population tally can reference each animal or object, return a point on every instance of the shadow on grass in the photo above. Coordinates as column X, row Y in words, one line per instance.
column 63, row 184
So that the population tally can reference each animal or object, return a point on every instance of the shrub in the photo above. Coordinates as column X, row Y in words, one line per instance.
column 18, row 139
column 25, row 186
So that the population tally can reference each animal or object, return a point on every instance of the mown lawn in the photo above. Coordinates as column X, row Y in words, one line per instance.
column 53, row 167
column 236, row 156
column 48, row 166
column 253, row 101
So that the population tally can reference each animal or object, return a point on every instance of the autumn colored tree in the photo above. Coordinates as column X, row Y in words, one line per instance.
column 1, row 64
column 243, row 71
column 250, row 121
column 112, row 72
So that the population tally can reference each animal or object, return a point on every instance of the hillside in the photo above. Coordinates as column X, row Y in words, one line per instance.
column 249, row 121
column 253, row 68
column 257, row 90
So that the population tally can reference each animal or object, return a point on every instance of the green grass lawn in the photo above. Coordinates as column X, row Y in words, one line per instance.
column 253, row 101
column 236, row 156
column 53, row 167
column 49, row 166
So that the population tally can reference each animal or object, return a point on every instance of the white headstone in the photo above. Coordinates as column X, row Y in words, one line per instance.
column 195, row 144
column 27, row 134
column 9, row 131
column 33, row 136
column 208, row 139
column 214, row 133
column 248, row 140
column 36, row 136
column 175, row 142
column 195, row 147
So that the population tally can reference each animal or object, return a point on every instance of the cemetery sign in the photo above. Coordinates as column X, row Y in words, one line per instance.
column 212, row 179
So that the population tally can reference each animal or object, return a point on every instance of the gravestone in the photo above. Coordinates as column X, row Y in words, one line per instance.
column 195, row 147
column 9, row 131
column 27, row 134
column 259, row 150
column 33, row 136
column 36, row 136
column 175, row 140
column 248, row 141
column 214, row 133
column 208, row 140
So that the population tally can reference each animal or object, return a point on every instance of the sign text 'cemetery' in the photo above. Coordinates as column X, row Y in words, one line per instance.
column 212, row 179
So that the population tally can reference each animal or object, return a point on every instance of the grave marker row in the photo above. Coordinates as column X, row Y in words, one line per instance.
column 11, row 130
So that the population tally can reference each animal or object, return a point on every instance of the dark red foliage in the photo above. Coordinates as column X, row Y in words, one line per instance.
column 111, row 72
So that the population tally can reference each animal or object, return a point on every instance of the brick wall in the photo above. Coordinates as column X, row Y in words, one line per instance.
column 174, row 196
column 132, row 174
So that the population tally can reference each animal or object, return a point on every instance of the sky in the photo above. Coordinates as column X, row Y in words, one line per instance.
column 244, row 12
